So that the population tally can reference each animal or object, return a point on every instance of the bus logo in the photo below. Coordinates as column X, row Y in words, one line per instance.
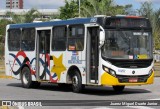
column 93, row 20
column 133, row 72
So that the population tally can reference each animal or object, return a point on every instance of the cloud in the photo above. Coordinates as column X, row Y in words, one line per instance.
column 43, row 4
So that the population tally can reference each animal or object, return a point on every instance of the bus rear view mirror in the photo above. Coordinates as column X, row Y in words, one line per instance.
column 101, row 38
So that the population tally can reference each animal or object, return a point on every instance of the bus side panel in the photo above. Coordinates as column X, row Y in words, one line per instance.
column 75, row 58
column 31, row 63
column 58, row 67
column 14, row 63
column 7, row 66
column 16, row 60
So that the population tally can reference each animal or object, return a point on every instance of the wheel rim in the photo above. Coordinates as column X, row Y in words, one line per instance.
column 25, row 77
column 75, row 82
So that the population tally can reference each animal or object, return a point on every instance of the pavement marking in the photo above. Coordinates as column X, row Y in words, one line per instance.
column 154, row 99
column 102, row 108
column 20, row 107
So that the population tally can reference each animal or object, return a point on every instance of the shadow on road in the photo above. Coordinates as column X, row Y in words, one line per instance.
column 89, row 90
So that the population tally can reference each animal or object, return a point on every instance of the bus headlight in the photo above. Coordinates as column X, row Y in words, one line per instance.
column 108, row 70
column 150, row 72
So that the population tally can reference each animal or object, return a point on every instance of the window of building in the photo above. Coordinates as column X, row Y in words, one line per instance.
column 14, row 40
column 28, row 39
column 59, row 38
column 76, row 38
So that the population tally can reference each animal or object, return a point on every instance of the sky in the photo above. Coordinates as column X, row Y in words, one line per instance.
column 55, row 4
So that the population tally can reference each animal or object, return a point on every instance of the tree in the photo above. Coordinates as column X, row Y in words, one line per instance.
column 102, row 7
column 26, row 18
column 3, row 24
column 91, row 8
column 31, row 15
column 70, row 10
column 146, row 10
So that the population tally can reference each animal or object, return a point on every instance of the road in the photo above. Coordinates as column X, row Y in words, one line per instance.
column 10, row 89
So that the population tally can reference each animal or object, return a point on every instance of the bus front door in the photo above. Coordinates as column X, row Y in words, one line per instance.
column 92, row 57
column 43, row 54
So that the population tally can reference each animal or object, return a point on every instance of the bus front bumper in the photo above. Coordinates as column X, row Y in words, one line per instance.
column 109, row 80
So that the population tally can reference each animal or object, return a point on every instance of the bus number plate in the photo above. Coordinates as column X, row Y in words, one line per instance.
column 133, row 80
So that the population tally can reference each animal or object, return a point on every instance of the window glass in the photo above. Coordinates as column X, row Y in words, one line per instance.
column 76, row 38
column 14, row 40
column 73, row 31
column 28, row 39
column 80, row 31
column 59, row 38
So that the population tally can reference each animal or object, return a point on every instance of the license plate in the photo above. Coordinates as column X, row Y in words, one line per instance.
column 133, row 80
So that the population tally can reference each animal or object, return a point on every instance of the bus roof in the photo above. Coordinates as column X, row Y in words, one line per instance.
column 55, row 23
column 99, row 20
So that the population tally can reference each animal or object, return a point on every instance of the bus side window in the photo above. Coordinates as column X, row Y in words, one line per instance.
column 14, row 40
column 28, row 39
column 76, row 38
column 59, row 38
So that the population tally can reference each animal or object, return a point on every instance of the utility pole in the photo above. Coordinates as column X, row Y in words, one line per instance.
column 79, row 8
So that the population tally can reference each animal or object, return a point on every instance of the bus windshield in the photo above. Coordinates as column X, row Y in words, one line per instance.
column 127, row 44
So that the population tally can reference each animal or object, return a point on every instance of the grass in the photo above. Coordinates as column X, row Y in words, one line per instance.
column 2, row 68
column 157, row 69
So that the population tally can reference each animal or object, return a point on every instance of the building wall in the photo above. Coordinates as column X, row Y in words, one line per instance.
column 20, row 4
column 14, row 4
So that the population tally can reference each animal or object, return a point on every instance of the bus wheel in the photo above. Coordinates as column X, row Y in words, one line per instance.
column 26, row 78
column 118, row 89
column 76, row 82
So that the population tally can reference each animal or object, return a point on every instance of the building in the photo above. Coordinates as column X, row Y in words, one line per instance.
column 14, row 4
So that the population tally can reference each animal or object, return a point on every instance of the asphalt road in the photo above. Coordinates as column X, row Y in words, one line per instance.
column 10, row 89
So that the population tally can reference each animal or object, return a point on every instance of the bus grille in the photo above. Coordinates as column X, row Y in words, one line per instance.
column 125, row 79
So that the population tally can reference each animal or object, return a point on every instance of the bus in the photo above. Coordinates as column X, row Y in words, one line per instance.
column 111, row 51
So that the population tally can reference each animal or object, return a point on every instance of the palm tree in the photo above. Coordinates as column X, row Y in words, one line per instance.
column 70, row 10
column 101, row 7
column 26, row 18
column 31, row 15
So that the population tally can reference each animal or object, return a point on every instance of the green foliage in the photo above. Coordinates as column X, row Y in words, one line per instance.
column 26, row 18
column 31, row 15
column 70, row 10
column 147, row 10
column 3, row 24
column 91, row 8
column 103, row 7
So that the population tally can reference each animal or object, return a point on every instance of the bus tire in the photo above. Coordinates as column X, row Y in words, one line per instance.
column 26, row 78
column 77, row 82
column 118, row 89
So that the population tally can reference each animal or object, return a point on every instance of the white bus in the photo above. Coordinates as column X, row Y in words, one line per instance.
column 103, row 51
